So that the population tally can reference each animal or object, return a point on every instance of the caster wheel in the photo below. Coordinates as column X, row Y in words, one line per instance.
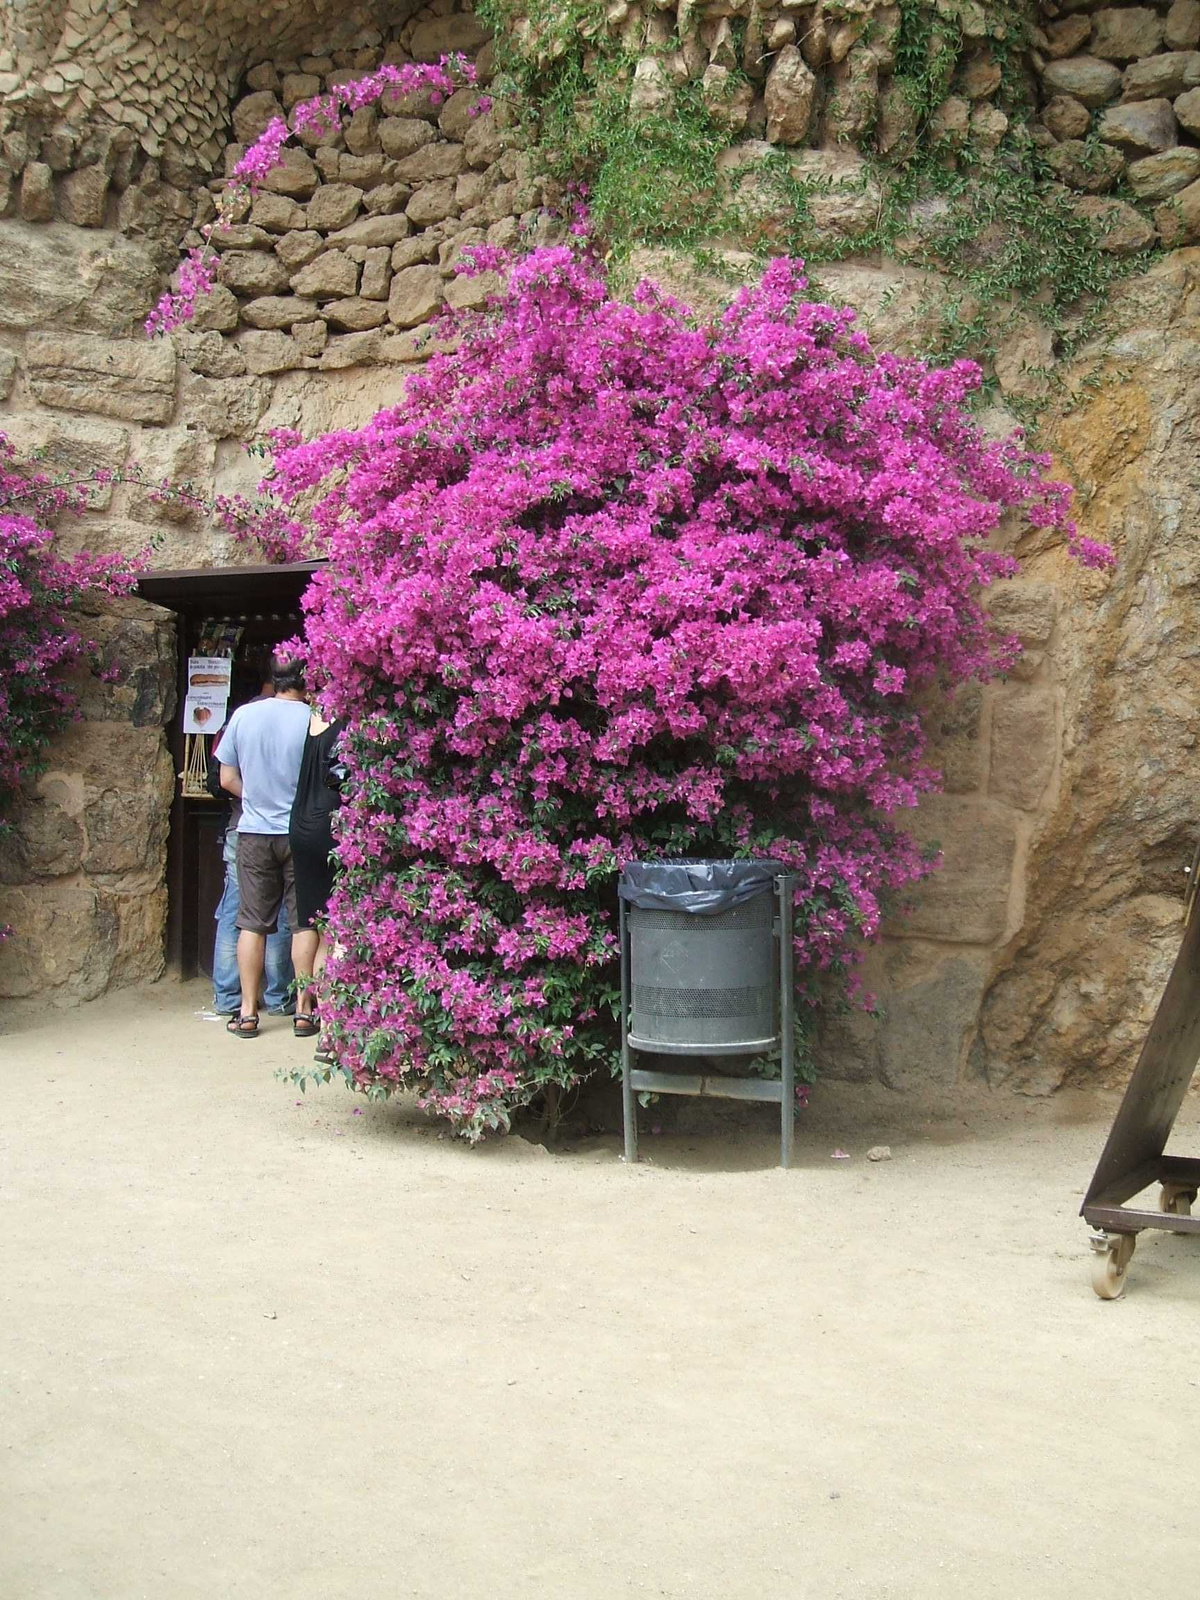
column 1109, row 1264
column 1174, row 1201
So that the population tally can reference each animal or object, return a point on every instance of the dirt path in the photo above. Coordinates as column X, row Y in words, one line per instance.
column 255, row 1347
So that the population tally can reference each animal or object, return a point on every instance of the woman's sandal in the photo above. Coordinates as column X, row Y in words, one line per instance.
column 243, row 1027
column 305, row 1026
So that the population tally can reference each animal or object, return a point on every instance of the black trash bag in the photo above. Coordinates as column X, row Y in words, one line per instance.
column 702, row 887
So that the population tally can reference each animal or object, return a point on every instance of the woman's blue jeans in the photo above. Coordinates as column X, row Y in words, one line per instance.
column 227, row 986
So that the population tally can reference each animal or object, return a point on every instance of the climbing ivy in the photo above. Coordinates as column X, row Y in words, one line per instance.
column 999, row 225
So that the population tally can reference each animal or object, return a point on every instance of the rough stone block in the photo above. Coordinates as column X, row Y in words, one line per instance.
column 1066, row 117
column 1093, row 169
column 355, row 314
column 1187, row 109
column 251, row 115
column 1120, row 229
column 1065, row 37
column 216, row 311
column 54, row 276
column 373, row 231
column 841, row 195
column 486, row 140
column 8, row 373
column 252, row 273
column 1182, row 29
column 471, row 293
column 183, row 457
column 331, row 276
column 297, row 86
column 311, row 337
column 410, row 252
column 268, row 353
column 388, row 198
column 1126, row 34
column 276, row 213
column 416, row 293
column 1141, row 127
column 1178, row 220
column 364, row 171
column 965, row 901
column 455, row 117
column 1086, row 79
column 439, row 160
column 432, row 203
column 404, row 136
column 135, row 652
column 932, row 1005
column 789, row 94
column 70, row 448
column 350, row 350
column 1024, row 746
column 228, row 408
column 435, row 37
column 67, row 942
column 278, row 311
column 296, row 250
column 1161, row 76
column 361, row 132
column 83, row 197
column 209, row 354
column 1160, row 176
column 334, row 206
column 955, row 744
column 296, row 175
column 131, row 380
column 37, row 193
column 241, row 236
column 376, row 274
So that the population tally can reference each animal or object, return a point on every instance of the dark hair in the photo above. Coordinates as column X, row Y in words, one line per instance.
column 286, row 675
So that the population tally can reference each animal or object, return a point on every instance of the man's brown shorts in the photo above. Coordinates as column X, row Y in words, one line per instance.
column 265, row 881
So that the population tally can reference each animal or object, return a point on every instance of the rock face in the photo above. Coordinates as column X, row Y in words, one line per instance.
column 1102, row 894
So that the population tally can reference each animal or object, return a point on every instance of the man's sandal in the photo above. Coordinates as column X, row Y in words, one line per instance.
column 305, row 1026
column 243, row 1027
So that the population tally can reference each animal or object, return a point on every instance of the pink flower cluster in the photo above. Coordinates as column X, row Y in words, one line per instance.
column 614, row 583
column 40, row 647
column 198, row 272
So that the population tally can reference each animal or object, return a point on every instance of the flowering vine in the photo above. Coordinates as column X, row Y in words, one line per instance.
column 613, row 583
column 197, row 273
column 40, row 647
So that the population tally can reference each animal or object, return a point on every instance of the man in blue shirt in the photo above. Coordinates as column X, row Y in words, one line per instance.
column 260, row 754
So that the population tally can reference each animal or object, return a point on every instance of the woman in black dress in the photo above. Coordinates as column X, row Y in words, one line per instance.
column 310, row 833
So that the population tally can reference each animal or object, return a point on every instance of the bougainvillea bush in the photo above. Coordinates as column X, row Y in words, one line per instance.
column 610, row 583
column 39, row 645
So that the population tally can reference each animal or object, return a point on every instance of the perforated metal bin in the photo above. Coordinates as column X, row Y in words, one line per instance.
column 706, row 971
column 705, row 985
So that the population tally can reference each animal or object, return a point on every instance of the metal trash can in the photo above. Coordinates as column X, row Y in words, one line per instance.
column 705, row 974
column 706, row 969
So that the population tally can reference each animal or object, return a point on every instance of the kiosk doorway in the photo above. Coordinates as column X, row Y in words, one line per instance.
column 244, row 613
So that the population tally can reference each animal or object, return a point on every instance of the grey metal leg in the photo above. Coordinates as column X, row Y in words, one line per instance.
column 786, row 1009
column 628, row 1101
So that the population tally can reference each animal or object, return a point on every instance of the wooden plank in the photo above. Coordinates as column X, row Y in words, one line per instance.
column 1123, row 1219
column 1160, row 1080
column 715, row 1085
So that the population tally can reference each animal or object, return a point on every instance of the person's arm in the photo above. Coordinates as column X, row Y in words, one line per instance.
column 231, row 780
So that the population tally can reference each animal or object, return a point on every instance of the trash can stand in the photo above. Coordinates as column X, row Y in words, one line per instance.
column 782, row 1092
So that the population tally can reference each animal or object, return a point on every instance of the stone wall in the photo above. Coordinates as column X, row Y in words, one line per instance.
column 1038, row 952
column 313, row 326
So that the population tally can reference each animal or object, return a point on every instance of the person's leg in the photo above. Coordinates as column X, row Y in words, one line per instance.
column 305, row 942
column 279, row 965
column 251, row 950
column 226, row 984
column 260, row 891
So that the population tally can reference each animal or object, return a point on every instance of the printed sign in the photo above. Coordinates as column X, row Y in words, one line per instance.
column 203, row 716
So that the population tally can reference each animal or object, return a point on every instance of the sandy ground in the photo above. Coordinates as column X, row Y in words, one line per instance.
column 254, row 1344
